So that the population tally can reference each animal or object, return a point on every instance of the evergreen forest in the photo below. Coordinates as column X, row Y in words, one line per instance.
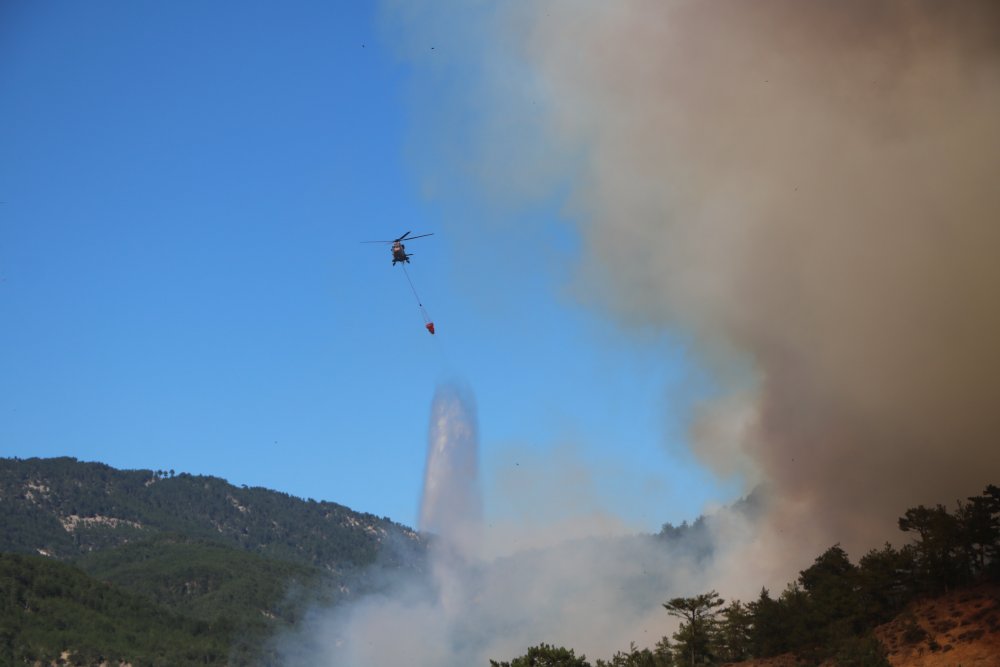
column 153, row 567
column 830, row 610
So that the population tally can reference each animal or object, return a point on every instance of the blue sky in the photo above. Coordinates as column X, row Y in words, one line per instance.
column 184, row 188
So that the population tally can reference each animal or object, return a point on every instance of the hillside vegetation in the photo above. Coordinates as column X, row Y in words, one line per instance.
column 152, row 568
column 65, row 508
column 841, row 613
column 197, row 561
column 48, row 607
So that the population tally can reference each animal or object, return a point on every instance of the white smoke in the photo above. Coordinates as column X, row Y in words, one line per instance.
column 491, row 592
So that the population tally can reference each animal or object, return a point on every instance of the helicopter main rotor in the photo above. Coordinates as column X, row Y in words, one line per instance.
column 404, row 237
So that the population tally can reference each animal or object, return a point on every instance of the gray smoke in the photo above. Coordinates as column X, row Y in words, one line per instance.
column 493, row 592
column 805, row 189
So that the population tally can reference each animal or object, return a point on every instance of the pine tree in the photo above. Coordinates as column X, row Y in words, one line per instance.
column 694, row 637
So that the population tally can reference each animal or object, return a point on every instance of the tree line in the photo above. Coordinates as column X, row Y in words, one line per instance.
column 830, row 610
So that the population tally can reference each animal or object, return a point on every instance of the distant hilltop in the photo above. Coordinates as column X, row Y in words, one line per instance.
column 63, row 508
column 106, row 566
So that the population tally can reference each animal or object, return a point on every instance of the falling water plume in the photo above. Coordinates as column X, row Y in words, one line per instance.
column 451, row 507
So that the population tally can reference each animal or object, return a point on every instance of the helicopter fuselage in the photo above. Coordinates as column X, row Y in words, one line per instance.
column 399, row 253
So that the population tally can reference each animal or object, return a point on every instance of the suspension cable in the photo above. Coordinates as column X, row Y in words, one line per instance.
column 423, row 311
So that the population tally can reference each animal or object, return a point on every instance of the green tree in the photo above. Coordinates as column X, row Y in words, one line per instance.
column 831, row 583
column 664, row 653
column 885, row 582
column 545, row 655
column 992, row 499
column 979, row 529
column 732, row 637
column 694, row 637
column 780, row 625
column 635, row 657
column 801, row 633
column 941, row 564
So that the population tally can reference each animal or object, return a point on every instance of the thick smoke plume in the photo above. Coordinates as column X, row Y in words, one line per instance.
column 807, row 189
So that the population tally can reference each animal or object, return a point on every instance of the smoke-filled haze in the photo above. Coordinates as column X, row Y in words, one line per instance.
column 806, row 190
column 489, row 592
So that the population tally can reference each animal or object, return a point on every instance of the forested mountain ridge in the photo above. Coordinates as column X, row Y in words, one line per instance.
column 64, row 508
column 159, row 568
column 213, row 571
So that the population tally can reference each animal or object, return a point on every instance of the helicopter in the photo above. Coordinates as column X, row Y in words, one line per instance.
column 399, row 253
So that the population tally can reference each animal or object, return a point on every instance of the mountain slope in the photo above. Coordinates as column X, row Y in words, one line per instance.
column 205, row 580
column 47, row 608
column 205, row 558
column 959, row 628
column 64, row 508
